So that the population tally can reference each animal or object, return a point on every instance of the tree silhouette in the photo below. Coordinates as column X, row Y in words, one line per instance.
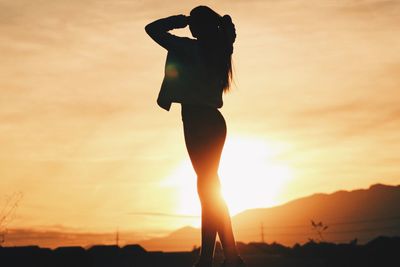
column 319, row 228
column 7, row 213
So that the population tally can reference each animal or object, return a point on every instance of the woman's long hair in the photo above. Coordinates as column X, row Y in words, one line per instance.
column 216, row 35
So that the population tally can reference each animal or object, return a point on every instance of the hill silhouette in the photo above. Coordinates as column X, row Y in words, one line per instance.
column 180, row 240
column 361, row 214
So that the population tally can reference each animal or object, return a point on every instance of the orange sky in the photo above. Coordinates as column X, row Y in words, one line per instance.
column 82, row 137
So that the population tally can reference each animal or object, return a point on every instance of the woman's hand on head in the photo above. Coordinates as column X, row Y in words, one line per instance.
column 181, row 21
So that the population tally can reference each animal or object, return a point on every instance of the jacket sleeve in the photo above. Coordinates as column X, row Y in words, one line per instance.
column 159, row 31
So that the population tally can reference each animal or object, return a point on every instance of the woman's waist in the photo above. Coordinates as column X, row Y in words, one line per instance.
column 197, row 108
column 199, row 111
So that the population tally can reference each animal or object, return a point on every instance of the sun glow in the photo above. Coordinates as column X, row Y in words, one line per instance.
column 249, row 174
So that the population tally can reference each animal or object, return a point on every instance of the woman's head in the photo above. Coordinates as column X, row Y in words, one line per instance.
column 203, row 22
column 217, row 34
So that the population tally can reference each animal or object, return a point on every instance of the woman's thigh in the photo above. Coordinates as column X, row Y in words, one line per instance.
column 204, row 138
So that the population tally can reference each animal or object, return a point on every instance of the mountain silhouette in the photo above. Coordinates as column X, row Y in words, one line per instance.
column 180, row 240
column 360, row 215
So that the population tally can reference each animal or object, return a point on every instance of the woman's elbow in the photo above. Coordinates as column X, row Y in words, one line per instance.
column 147, row 28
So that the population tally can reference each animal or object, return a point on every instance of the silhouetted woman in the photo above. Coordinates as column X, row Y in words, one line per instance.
column 197, row 72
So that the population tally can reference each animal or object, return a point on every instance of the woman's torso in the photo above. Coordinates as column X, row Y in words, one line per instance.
column 188, row 80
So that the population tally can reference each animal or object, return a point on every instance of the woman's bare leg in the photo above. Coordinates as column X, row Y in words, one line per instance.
column 215, row 219
column 225, row 233
column 205, row 133
column 208, row 235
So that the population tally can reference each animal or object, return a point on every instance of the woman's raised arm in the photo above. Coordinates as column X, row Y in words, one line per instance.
column 159, row 30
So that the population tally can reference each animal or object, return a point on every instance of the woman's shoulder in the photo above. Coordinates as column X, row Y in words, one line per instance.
column 186, row 42
column 183, row 46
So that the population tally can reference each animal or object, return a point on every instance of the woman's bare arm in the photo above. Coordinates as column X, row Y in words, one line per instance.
column 159, row 30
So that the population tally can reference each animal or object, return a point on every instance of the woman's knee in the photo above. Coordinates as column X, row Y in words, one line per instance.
column 208, row 189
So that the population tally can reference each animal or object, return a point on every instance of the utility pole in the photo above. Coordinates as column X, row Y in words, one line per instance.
column 262, row 232
column 117, row 237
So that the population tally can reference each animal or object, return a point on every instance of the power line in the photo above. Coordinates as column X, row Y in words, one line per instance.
column 117, row 237
column 367, row 221
column 262, row 227
column 262, row 232
column 337, row 223
column 159, row 214
column 397, row 227
column 185, row 216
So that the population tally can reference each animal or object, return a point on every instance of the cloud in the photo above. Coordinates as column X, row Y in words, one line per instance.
column 58, row 235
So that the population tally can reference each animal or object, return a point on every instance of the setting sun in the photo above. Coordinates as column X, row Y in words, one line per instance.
column 249, row 174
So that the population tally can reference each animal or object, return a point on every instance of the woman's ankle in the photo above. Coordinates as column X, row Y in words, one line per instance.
column 204, row 261
column 232, row 255
column 233, row 259
column 237, row 262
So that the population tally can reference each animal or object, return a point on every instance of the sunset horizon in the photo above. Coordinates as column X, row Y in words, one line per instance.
column 60, row 236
